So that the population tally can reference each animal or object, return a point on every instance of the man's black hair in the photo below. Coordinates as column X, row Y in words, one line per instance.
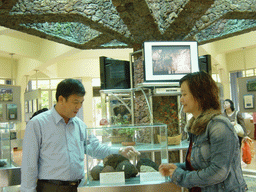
column 69, row 87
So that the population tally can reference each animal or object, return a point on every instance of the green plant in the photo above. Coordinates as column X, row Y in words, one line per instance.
column 128, row 133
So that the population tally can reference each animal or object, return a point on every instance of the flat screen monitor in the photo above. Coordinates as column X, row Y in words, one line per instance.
column 170, row 60
column 114, row 74
column 205, row 64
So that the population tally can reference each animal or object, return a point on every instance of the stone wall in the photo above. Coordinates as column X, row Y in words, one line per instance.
column 165, row 110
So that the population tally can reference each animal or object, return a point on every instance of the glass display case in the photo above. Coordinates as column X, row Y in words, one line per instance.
column 9, row 171
column 118, row 171
column 5, row 145
column 117, row 106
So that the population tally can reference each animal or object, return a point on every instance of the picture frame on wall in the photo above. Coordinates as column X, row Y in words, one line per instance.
column 12, row 111
column 248, row 101
column 251, row 85
column 6, row 94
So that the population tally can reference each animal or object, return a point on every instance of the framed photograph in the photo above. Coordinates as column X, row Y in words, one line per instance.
column 12, row 111
column 6, row 94
column 248, row 101
column 170, row 60
column 251, row 85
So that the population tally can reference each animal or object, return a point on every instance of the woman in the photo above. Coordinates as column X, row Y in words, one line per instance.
column 213, row 161
column 234, row 116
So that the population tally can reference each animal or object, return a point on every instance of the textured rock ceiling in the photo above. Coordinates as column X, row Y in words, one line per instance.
column 95, row 24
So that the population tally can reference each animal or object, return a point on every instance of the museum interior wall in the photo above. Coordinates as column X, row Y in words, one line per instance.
column 54, row 60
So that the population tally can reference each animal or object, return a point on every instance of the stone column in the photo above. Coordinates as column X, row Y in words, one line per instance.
column 165, row 109
column 141, row 111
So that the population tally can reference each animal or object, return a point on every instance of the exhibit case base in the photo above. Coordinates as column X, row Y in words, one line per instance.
column 138, row 187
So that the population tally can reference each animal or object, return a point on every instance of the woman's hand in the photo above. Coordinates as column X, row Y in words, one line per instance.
column 247, row 139
column 167, row 169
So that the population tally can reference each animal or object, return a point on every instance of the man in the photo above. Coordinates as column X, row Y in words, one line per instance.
column 55, row 143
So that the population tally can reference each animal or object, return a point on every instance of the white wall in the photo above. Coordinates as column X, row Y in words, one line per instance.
column 78, row 68
column 241, row 59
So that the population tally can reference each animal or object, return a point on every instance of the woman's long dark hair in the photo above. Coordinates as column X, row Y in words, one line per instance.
column 231, row 104
column 204, row 90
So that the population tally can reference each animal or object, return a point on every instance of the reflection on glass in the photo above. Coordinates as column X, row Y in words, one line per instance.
column 42, row 84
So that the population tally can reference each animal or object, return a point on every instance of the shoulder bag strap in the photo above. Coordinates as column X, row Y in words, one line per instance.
column 236, row 117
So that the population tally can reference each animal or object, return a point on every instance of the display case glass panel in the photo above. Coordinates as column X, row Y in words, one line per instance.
column 148, row 138
column 5, row 145
column 116, row 105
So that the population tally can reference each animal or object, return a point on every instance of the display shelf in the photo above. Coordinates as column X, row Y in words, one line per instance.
column 114, row 98
column 115, row 102
column 142, row 147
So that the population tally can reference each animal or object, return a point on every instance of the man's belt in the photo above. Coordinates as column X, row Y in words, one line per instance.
column 58, row 182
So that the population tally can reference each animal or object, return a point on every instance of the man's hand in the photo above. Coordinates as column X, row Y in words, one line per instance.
column 129, row 152
column 167, row 169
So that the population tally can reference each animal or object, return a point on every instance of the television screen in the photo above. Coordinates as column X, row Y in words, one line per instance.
column 114, row 74
column 205, row 63
column 170, row 61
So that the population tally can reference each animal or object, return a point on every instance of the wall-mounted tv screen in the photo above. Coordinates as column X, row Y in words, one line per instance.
column 170, row 60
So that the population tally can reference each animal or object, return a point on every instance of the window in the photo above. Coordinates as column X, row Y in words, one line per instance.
column 54, row 83
column 44, row 84
column 216, row 77
column 5, row 81
column 249, row 72
column 48, row 87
